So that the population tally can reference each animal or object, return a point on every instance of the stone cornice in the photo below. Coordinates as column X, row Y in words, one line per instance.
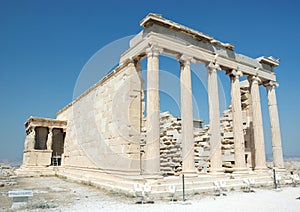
column 174, row 47
column 269, row 60
column 151, row 19
column 44, row 122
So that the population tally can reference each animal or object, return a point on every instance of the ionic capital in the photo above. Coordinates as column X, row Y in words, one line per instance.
column 254, row 79
column 213, row 67
column 186, row 60
column 271, row 84
column 235, row 73
column 153, row 51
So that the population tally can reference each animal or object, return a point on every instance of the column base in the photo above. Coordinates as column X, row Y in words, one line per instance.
column 280, row 169
column 216, row 171
column 192, row 173
column 241, row 170
column 261, row 169
column 157, row 175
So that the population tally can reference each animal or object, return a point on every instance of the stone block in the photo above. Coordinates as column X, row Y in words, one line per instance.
column 228, row 134
column 37, row 158
column 228, row 156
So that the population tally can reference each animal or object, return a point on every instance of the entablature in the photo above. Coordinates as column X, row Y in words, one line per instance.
column 176, row 39
column 44, row 122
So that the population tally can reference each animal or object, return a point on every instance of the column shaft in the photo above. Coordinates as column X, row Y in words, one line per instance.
column 152, row 150
column 49, row 139
column 258, row 132
column 30, row 139
column 275, row 128
column 250, row 129
column 214, row 119
column 187, row 126
column 239, row 142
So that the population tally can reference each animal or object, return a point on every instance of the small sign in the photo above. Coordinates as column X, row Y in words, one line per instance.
column 20, row 193
column 19, row 198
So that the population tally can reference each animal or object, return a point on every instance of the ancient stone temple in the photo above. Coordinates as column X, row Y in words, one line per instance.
column 113, row 137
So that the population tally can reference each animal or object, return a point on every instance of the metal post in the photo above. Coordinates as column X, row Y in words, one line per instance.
column 183, row 191
column 141, row 165
column 275, row 180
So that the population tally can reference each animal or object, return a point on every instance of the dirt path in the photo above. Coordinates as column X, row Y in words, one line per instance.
column 55, row 194
column 52, row 193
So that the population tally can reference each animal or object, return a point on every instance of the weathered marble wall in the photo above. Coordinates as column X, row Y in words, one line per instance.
column 104, row 124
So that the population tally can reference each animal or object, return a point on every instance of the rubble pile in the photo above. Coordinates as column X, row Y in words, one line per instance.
column 7, row 176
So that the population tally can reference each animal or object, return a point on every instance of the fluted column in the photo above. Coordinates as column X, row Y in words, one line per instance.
column 238, row 134
column 258, row 131
column 152, row 150
column 214, row 119
column 187, row 128
column 275, row 126
column 49, row 139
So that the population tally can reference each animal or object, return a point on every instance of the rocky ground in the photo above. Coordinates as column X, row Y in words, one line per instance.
column 56, row 194
column 293, row 165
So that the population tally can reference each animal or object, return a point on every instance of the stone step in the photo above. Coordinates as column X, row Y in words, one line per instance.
column 197, row 184
column 35, row 171
column 102, row 180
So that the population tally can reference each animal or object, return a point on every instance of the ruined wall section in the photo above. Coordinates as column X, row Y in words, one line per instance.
column 171, row 149
column 227, row 131
column 248, row 130
column 170, row 144
column 103, row 130
column 170, row 140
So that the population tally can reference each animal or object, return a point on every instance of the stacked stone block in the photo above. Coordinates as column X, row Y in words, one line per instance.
column 246, row 112
column 227, row 139
column 170, row 145
column 170, row 140
column 202, row 147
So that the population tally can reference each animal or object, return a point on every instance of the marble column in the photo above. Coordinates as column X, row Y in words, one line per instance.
column 214, row 119
column 152, row 150
column 187, row 126
column 238, row 134
column 275, row 126
column 258, row 131
column 49, row 139
column 30, row 139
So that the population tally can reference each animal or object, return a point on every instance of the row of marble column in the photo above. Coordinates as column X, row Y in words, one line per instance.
column 31, row 139
column 152, row 151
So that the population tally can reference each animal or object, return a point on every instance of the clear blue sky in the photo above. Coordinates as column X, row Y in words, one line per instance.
column 45, row 44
